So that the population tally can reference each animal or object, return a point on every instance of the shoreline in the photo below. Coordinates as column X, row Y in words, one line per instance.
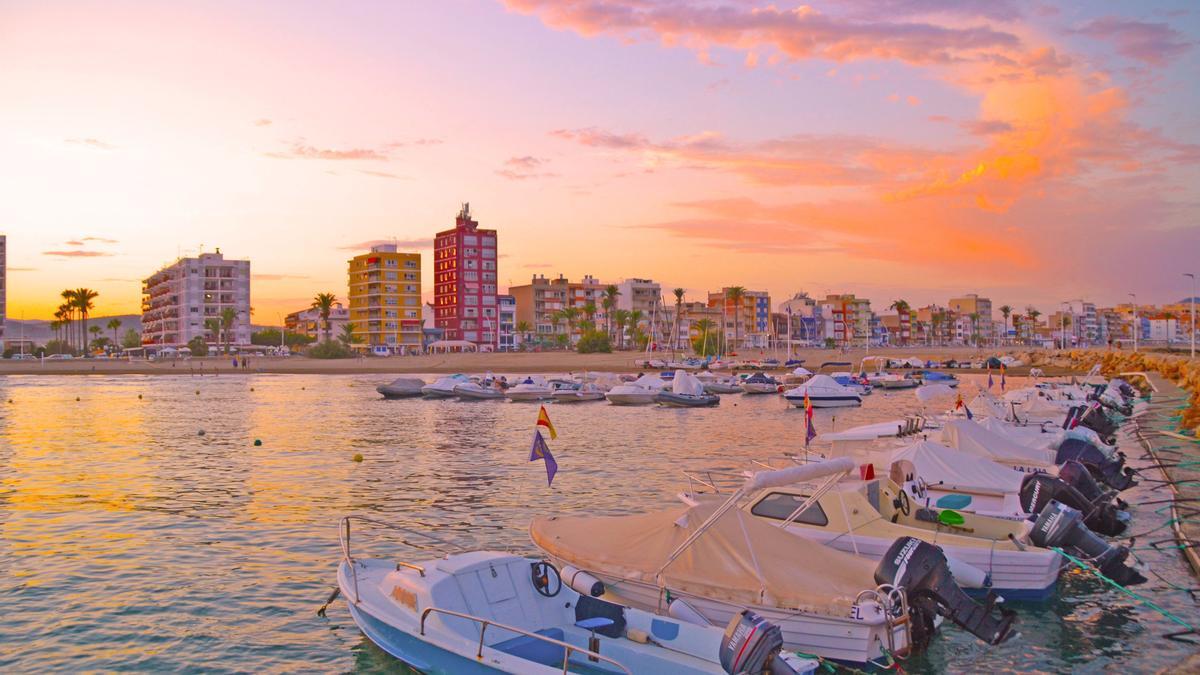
column 499, row 362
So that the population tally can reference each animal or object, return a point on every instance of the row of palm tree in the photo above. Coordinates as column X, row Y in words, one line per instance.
column 221, row 327
column 77, row 305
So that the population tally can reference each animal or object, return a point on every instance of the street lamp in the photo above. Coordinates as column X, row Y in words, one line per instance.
column 1192, row 328
column 1135, row 322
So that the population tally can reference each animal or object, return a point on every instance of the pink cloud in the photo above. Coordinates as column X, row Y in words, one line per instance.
column 304, row 151
column 93, row 143
column 77, row 254
column 524, row 168
column 400, row 243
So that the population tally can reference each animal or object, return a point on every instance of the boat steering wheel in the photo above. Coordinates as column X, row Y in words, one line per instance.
column 541, row 572
column 903, row 503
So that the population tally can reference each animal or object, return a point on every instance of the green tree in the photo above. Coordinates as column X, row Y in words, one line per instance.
column 974, row 317
column 678, row 293
column 708, row 341
column 68, row 309
column 594, row 341
column 621, row 318
column 114, row 324
column 324, row 303
column 589, row 310
column 635, row 326
column 348, row 337
column 198, row 346
column 735, row 294
column 228, row 319
column 95, row 331
column 567, row 315
column 1005, row 311
column 524, row 330
column 269, row 337
column 610, row 304
column 902, row 309
column 131, row 339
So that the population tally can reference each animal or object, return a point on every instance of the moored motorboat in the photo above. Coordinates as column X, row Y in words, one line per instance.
column 443, row 387
column 587, row 391
column 823, row 392
column 718, row 384
column 495, row 612
column 687, row 391
column 760, row 383
column 531, row 388
column 402, row 387
column 485, row 390
column 639, row 392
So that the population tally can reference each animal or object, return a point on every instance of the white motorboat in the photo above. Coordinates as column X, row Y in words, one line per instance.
column 798, row 376
column 824, row 392
column 719, row 384
column 443, row 387
column 970, row 437
column 639, row 392
column 715, row 559
column 495, row 612
column 584, row 392
column 486, row 390
column 760, row 383
column 687, row 391
column 402, row 387
column 532, row 388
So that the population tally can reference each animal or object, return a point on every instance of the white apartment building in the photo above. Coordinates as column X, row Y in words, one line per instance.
column 509, row 340
column 646, row 296
column 180, row 298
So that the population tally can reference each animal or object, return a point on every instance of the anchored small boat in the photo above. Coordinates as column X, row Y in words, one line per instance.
column 587, row 391
column 485, row 390
column 717, row 384
column 443, row 387
column 494, row 612
column 824, row 392
column 639, row 392
column 760, row 383
column 531, row 388
column 402, row 387
column 687, row 391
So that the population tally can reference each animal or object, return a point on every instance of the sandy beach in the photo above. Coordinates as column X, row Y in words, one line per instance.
column 499, row 362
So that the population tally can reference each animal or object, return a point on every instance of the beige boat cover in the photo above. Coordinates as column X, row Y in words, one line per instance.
column 740, row 560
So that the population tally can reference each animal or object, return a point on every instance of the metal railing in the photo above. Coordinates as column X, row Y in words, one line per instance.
column 484, row 623
column 344, row 541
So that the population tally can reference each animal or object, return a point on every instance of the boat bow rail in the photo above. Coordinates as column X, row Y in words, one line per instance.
column 567, row 647
column 348, row 556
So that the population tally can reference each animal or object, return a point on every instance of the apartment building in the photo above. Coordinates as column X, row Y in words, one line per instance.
column 385, row 299
column 464, row 291
column 845, row 318
column 748, row 320
column 538, row 302
column 308, row 322
column 982, row 326
column 182, row 301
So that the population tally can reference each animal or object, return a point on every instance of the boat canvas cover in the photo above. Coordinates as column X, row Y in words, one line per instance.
column 687, row 384
column 823, row 385
column 740, row 559
column 1033, row 436
column 650, row 381
column 951, row 469
column 986, row 405
column 971, row 437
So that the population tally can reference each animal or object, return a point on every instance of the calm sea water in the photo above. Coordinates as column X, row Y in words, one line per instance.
column 132, row 542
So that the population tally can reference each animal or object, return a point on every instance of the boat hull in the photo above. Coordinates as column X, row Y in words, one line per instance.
column 391, row 393
column 760, row 388
column 578, row 397
column 631, row 399
column 530, row 395
column 673, row 400
column 827, row 401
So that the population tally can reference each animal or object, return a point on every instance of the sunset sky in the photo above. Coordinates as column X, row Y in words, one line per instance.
column 1029, row 151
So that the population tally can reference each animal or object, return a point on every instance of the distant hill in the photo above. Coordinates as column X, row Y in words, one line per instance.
column 39, row 331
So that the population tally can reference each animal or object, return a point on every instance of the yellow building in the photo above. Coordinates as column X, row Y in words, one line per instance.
column 385, row 300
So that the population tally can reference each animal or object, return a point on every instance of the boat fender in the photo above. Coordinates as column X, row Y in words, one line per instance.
column 582, row 582
column 678, row 609
column 968, row 575
column 639, row 636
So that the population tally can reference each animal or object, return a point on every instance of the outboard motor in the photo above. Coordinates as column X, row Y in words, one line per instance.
column 1112, row 472
column 920, row 569
column 1040, row 490
column 752, row 645
column 1077, row 476
column 1062, row 526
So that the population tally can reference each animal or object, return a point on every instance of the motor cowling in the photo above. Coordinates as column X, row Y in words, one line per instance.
column 751, row 645
column 1040, row 489
column 1061, row 526
column 920, row 569
column 1112, row 472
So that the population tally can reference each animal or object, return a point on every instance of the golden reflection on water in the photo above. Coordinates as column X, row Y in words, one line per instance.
column 128, row 540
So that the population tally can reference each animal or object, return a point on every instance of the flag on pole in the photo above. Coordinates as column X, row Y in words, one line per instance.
column 990, row 382
column 542, row 451
column 959, row 404
column 543, row 420
column 810, row 432
column 1002, row 377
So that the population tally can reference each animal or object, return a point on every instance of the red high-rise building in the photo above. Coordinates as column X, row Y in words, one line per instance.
column 464, row 282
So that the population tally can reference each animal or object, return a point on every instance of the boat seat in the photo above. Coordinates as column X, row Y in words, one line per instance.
column 591, row 608
column 533, row 649
column 954, row 501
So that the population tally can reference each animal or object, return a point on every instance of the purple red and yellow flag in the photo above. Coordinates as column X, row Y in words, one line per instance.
column 542, row 451
column 810, row 431
column 543, row 420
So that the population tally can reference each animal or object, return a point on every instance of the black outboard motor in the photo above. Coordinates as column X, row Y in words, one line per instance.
column 1039, row 490
column 1077, row 476
column 1062, row 526
column 752, row 645
column 1112, row 472
column 920, row 569
column 1094, row 419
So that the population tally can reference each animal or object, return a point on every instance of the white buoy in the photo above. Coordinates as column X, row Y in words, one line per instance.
column 582, row 582
column 966, row 574
column 679, row 609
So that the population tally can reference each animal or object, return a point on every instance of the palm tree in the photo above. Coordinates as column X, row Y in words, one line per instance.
column 55, row 326
column 1005, row 310
column 610, row 303
column 95, row 331
column 228, row 318
column 735, row 294
column 974, row 317
column 347, row 337
column 213, row 326
column 589, row 310
column 114, row 324
column 703, row 326
column 621, row 317
column 902, row 310
column 635, row 320
column 83, row 303
column 523, row 329
column 936, row 319
column 323, row 303
column 68, row 307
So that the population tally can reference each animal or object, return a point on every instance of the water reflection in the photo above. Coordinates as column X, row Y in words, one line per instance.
column 129, row 540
